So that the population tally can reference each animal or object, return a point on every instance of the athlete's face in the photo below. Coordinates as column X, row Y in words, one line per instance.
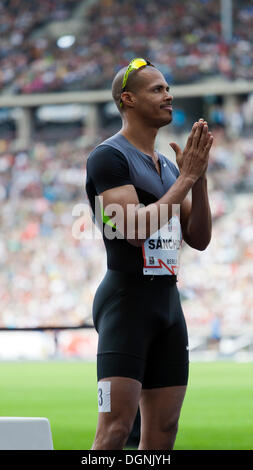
column 153, row 100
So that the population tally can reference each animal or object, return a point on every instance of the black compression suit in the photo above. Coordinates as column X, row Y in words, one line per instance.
column 138, row 314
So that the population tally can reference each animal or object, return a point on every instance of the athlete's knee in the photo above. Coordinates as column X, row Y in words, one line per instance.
column 160, row 439
column 167, row 434
column 114, row 435
column 121, row 429
column 169, row 428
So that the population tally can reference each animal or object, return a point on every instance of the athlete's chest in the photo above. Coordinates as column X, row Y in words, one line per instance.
column 150, row 177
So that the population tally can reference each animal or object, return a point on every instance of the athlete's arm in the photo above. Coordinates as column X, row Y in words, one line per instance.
column 137, row 224
column 195, row 217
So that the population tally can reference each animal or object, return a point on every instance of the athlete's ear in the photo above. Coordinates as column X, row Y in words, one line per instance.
column 128, row 98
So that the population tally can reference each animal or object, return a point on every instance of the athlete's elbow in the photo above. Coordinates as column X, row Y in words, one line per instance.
column 135, row 242
column 205, row 242
column 200, row 246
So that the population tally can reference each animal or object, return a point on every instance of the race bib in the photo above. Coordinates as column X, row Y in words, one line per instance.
column 161, row 251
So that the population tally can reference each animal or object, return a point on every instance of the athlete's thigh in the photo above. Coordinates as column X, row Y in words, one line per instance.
column 118, row 399
column 167, row 362
column 160, row 408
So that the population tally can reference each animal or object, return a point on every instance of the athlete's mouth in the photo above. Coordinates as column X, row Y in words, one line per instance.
column 166, row 106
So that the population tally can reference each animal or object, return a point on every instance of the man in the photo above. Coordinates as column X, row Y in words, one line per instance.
column 142, row 354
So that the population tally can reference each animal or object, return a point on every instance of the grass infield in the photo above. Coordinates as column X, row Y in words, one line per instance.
column 217, row 411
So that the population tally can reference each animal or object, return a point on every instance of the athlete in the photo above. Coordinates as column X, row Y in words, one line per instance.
column 142, row 356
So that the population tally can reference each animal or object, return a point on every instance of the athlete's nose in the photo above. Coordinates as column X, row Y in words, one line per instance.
column 168, row 97
column 168, row 100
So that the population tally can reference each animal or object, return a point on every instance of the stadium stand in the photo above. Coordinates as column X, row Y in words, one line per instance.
column 39, row 188
column 183, row 38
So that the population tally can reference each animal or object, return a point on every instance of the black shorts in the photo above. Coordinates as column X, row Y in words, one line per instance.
column 142, row 330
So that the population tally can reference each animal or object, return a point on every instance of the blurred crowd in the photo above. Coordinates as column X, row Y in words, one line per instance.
column 184, row 39
column 216, row 285
column 19, row 21
column 48, row 277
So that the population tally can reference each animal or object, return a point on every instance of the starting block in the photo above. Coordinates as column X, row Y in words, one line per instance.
column 25, row 434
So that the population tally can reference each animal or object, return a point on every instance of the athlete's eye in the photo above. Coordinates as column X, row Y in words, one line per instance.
column 160, row 88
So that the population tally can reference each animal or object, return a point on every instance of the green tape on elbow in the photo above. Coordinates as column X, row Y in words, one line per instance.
column 106, row 219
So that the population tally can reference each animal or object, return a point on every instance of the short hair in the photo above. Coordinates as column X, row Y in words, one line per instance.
column 133, row 84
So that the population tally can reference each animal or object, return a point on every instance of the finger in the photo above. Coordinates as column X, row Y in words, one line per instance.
column 197, row 135
column 175, row 147
column 190, row 138
column 208, row 145
column 204, row 137
column 202, row 120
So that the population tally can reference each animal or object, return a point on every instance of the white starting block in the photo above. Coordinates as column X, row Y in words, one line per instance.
column 25, row 434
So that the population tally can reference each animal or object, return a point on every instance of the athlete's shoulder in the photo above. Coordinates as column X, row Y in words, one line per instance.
column 107, row 151
column 103, row 150
column 107, row 167
column 105, row 159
